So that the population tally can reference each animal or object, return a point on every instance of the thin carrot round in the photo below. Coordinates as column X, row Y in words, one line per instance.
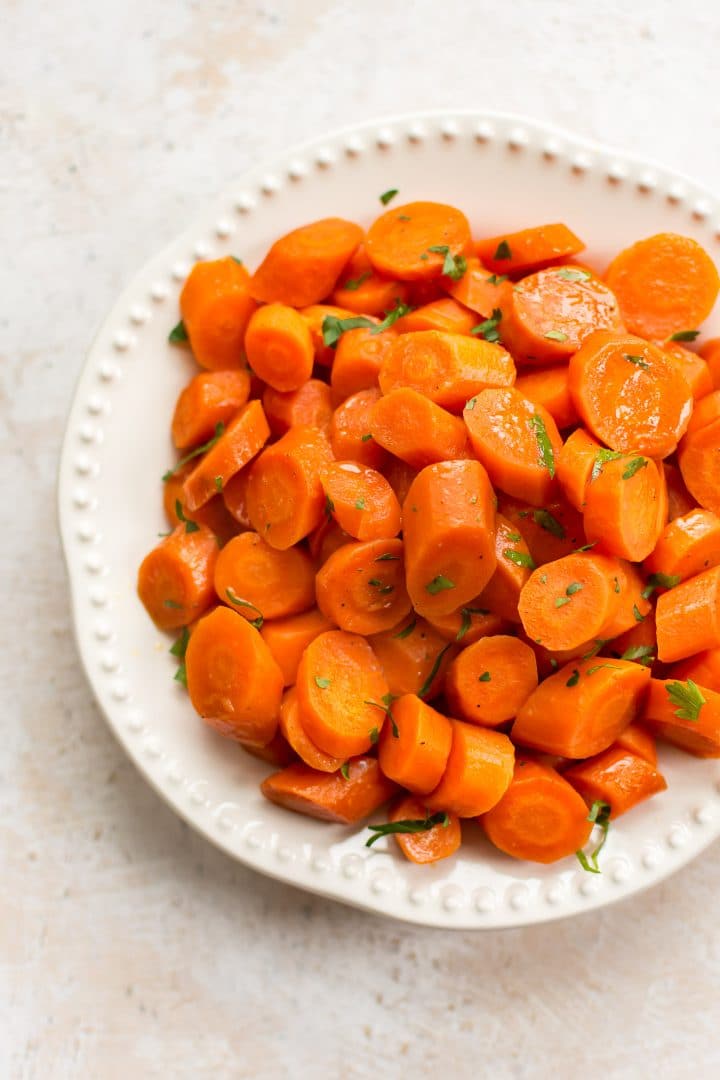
column 550, row 531
column 293, row 730
column 399, row 243
column 243, row 438
column 567, row 602
column 175, row 580
column 288, row 637
column 412, row 427
column 684, row 714
column 477, row 289
column 528, row 249
column 617, row 777
column 468, row 624
column 302, row 267
column 489, row 681
column 699, row 464
column 414, row 657
column 337, row 797
column 358, row 358
column 365, row 292
column 209, row 399
column 694, row 368
column 478, row 771
column 310, row 404
column 579, row 455
column 361, row 500
column 414, row 748
column 279, row 347
column 350, row 435
column 325, row 540
column 703, row 668
column 216, row 306
column 705, row 412
column 637, row 740
column 688, row 545
column 680, row 501
column 361, row 587
column 688, row 617
column 550, row 388
column 624, row 508
column 429, row 845
column 501, row 595
column 445, row 314
column 260, row 582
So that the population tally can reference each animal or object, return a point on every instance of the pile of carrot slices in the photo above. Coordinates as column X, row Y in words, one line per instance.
column 446, row 525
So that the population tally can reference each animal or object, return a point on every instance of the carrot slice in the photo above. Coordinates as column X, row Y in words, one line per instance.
column 490, row 680
column 292, row 729
column 405, row 241
column 549, row 387
column 415, row 429
column 688, row 617
column 693, row 367
column 314, row 316
column 636, row 739
column 216, row 307
column 445, row 314
column 478, row 771
column 175, row 578
column 447, row 368
column 279, row 347
column 617, row 777
column 310, row 404
column 639, row 641
column 514, row 562
column 331, row 796
column 361, row 500
column 705, row 412
column 710, row 352
column 358, row 359
column 363, row 291
column 703, row 669
column 581, row 709
column 209, row 399
column 684, row 714
column 477, row 289
column 633, row 605
column 429, row 845
column 572, row 600
column 578, row 457
column 415, row 751
column 699, row 464
column 233, row 681
column 287, row 639
column 302, row 267
column 550, row 532
column 517, row 442
column 243, row 438
column 664, row 284
column 529, row 249
column 361, row 587
column 262, row 583
column 540, row 817
column 414, row 658
column 624, row 507
column 688, row 545
column 630, row 394
column 350, row 435
column 449, row 532
column 339, row 685
column 680, row 501
column 284, row 495
column 468, row 624
column 213, row 514
column 234, row 495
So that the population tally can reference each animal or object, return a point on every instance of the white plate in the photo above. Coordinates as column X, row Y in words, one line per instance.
column 505, row 172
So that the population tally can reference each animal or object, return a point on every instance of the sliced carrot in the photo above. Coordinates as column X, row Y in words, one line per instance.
column 216, row 307
column 477, row 289
column 517, row 442
column 234, row 495
column 209, row 399
column 624, row 509
column 447, row 368
column 175, row 579
column 358, row 359
column 449, row 532
column 415, row 429
column 414, row 658
column 489, row 681
column 688, row 617
column 213, row 514
column 630, row 394
column 361, row 587
column 445, row 314
column 340, row 688
column 684, row 714
column 414, row 752
column 688, row 545
column 617, row 777
column 641, row 638
column 350, row 435
column 529, row 249
column 680, row 501
column 243, row 438
column 705, row 412
column 550, row 531
column 710, row 352
column 233, row 681
column 277, row 752
column 547, row 316
column 478, row 771
column 361, row 500
column 703, row 669
column 514, row 562
column 314, row 316
column 260, row 582
column 540, row 817
column 363, row 291
column 468, row 624
column 303, row 266
column 699, row 463
column 279, row 347
column 429, row 845
column 285, row 499
column 693, row 367
column 287, row 639
column 310, row 404
column 664, row 284
column 633, row 607
column 404, row 242
column 550, row 388
column 293, row 730
column 400, row 476
column 570, row 601
column 582, row 708
column 578, row 457
column 326, row 539
column 331, row 796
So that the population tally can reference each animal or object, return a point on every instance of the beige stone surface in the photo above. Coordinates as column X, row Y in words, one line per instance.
column 129, row 947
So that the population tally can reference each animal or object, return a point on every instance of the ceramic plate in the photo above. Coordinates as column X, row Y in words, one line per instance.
column 505, row 172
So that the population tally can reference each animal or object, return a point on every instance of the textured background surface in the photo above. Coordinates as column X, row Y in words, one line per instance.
column 129, row 946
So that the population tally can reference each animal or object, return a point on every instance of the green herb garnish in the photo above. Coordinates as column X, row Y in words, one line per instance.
column 489, row 329
column 639, row 617
column 345, row 770
column 433, row 672
column 599, row 815
column 633, row 466
column 388, row 195
column 574, row 275
column 219, row 430
column 387, row 557
column 239, row 602
column 520, row 558
column 190, row 526
column 601, row 457
column 406, row 631
column 660, row 581
column 454, row 266
column 633, row 359
column 496, row 279
column 438, row 584
column 643, row 653
column 547, row 457
column 408, row 825
column 333, row 328
column 485, row 677
column 322, row 682
column 353, row 284
column 467, row 614
column 502, row 251
column 386, row 707
column 684, row 335
column 555, row 335
column 574, row 678
column 549, row 523
column 178, row 334
column 688, row 697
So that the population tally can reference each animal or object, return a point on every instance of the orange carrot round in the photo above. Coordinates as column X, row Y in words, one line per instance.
column 216, row 306
column 309, row 404
column 636, row 739
column 478, row 771
column 501, row 595
column 350, row 435
column 358, row 359
column 414, row 658
column 624, row 510
column 550, row 388
column 688, row 545
column 699, row 464
column 243, row 438
column 489, row 681
column 684, row 714
column 693, row 367
column 260, row 582
column 287, row 639
column 579, row 455
column 415, row 429
column 529, row 249
column 703, row 669
column 710, row 352
column 400, row 243
column 468, row 624
column 361, row 587
column 477, row 289
column 292, row 729
column 315, row 316
column 680, row 501
column 326, row 539
column 414, row 748
column 331, row 796
column 303, row 267
column 429, row 845
column 213, row 514
column 234, row 496
column 617, row 777
column 688, row 617
column 279, row 347
column 705, row 412
column 361, row 500
column 363, row 291
column 550, row 531
column 209, row 399
column 175, row 580
column 567, row 602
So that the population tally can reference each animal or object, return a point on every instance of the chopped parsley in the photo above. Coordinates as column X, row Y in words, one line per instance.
column 489, row 328
column 219, row 431
column 408, row 825
column 239, row 602
column 502, row 251
column 388, row 196
column 688, row 698
column 178, row 334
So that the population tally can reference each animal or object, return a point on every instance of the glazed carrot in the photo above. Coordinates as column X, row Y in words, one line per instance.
column 640, row 641
column 209, row 399
column 540, row 817
column 449, row 533
column 413, row 657
column 447, row 368
column 339, row 682
column 445, row 314
column 292, row 729
column 664, row 284
column 428, row 845
column 350, row 435
column 489, row 681
column 303, row 266
column 705, row 412
column 400, row 476
column 633, row 608
column 699, row 464
column 624, row 509
column 284, row 495
column 415, row 751
column 688, row 617
column 260, row 582
column 478, row 771
column 175, row 578
column 710, row 352
column 549, row 387
column 687, row 546
column 310, row 404
column 234, row 495
column 214, row 514
column 703, row 669
column 636, row 739
column 277, row 752
column 693, row 367
column 361, row 500
column 233, row 681
column 358, row 358
column 330, row 796
column 363, row 291
column 570, row 601
column 216, row 307
column 684, row 714
column 477, row 289
column 514, row 562
column 547, row 316
column 279, row 347
column 468, row 624
column 576, row 460
column 361, row 587
column 287, row 639
column 680, row 501
column 415, row 242
column 529, row 249
column 241, row 441
column 617, row 777
column 415, row 429
column 516, row 441
column 550, row 531
column 314, row 316
column 630, row 394
column 581, row 709
column 326, row 539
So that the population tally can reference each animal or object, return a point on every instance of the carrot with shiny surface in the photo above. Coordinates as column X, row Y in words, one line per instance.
column 331, row 796
column 414, row 748
column 175, row 580
column 216, row 305
column 302, row 267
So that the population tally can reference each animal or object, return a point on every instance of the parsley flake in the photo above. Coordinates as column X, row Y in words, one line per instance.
column 546, row 455
column 684, row 335
column 388, row 195
column 190, row 526
column 178, row 334
column 239, row 602
column 438, row 584
column 502, row 251
column 688, row 698
column 489, row 328
column 408, row 825
column 219, row 431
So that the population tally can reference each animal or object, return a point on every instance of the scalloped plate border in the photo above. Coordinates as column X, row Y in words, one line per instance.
column 328, row 863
